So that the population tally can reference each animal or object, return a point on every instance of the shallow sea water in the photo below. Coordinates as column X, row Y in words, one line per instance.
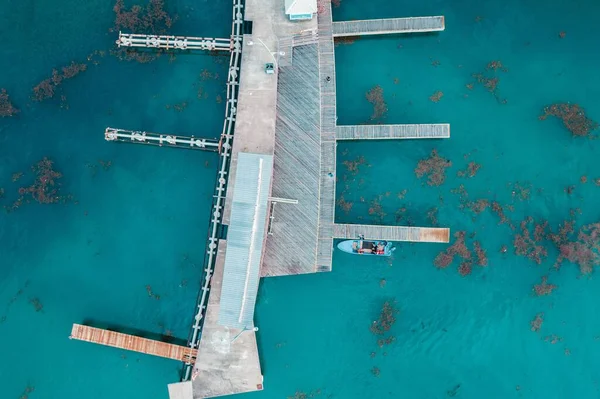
column 143, row 221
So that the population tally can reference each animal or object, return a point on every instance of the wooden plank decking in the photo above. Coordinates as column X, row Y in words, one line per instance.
column 285, row 46
column 328, row 144
column 391, row 233
column 132, row 343
column 383, row 132
column 388, row 26
column 296, row 168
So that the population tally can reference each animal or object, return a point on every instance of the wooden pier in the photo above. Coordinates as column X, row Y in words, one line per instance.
column 391, row 233
column 132, row 343
column 327, row 178
column 173, row 42
column 295, row 225
column 388, row 26
column 384, row 132
column 291, row 115
column 130, row 136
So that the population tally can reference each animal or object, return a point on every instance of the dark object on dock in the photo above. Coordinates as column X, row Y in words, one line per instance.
column 247, row 28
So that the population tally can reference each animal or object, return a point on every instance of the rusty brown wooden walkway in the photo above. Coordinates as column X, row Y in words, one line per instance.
column 132, row 343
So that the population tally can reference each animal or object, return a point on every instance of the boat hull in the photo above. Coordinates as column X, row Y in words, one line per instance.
column 349, row 247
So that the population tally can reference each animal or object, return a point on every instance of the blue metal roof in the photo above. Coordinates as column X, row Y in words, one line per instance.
column 245, row 235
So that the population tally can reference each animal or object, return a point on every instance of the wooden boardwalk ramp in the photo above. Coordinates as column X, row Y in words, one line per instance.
column 383, row 132
column 388, row 26
column 391, row 233
column 133, row 343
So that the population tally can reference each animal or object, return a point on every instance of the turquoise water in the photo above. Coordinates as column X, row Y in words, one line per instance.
column 143, row 221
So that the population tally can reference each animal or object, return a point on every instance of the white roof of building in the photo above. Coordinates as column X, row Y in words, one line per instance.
column 300, row 6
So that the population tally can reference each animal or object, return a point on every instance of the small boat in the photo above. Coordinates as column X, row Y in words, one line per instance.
column 365, row 247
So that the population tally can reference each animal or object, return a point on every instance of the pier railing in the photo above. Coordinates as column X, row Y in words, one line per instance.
column 235, row 61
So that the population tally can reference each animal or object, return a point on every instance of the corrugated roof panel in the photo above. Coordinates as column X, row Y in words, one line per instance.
column 245, row 236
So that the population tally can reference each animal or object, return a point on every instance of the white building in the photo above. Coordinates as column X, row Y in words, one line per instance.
column 300, row 9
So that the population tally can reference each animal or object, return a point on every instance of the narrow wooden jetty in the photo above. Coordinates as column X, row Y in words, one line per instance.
column 169, row 140
column 383, row 132
column 290, row 115
column 391, row 233
column 132, row 343
column 173, row 42
column 388, row 26
column 328, row 144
